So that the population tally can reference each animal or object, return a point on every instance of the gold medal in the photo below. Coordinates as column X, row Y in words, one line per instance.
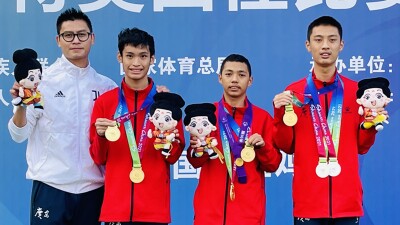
column 290, row 117
column 136, row 175
column 112, row 133
column 232, row 192
column 248, row 154
column 239, row 162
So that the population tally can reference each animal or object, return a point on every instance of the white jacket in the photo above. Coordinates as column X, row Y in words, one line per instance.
column 58, row 136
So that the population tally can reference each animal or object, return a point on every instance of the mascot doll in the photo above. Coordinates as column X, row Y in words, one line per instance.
column 200, row 121
column 165, row 113
column 372, row 95
column 28, row 73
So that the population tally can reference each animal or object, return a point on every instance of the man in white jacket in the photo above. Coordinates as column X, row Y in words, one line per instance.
column 67, row 185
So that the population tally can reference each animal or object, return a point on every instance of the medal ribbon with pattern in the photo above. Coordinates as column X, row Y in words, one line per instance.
column 327, row 135
column 290, row 117
column 227, row 125
column 136, row 174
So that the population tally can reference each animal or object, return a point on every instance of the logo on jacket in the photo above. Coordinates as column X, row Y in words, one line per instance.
column 95, row 94
column 303, row 111
column 59, row 95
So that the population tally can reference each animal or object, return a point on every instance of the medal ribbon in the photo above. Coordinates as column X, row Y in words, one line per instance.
column 296, row 100
column 122, row 109
column 227, row 125
column 327, row 139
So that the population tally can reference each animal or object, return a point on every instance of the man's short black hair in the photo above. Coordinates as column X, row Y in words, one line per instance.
column 324, row 20
column 236, row 58
column 135, row 37
column 71, row 15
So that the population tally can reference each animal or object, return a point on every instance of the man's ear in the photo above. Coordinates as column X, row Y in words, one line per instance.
column 308, row 46
column 119, row 57
column 359, row 101
column 341, row 45
column 187, row 128
column 250, row 81
column 93, row 38
column 213, row 128
column 58, row 40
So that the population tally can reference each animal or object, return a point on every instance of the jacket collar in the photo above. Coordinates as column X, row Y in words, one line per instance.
column 71, row 69
column 238, row 110
column 141, row 94
column 320, row 84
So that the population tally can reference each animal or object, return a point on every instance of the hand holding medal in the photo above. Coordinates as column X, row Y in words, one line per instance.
column 288, row 99
column 290, row 117
column 248, row 154
column 112, row 133
column 107, row 128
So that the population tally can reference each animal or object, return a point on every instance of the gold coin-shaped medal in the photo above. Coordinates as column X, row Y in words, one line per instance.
column 290, row 118
column 248, row 154
column 112, row 133
column 239, row 162
column 136, row 175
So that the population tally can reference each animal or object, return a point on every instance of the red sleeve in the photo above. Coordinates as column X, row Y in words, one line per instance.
column 98, row 145
column 282, row 135
column 269, row 156
column 196, row 162
column 366, row 138
column 177, row 146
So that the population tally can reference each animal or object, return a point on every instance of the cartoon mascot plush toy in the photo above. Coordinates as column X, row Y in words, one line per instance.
column 165, row 113
column 200, row 121
column 373, row 95
column 28, row 73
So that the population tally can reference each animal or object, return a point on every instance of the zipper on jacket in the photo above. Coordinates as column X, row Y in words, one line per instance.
column 330, row 178
column 227, row 186
column 226, row 196
column 79, row 120
column 134, row 131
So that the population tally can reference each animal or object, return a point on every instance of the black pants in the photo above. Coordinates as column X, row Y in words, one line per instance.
column 50, row 206
column 327, row 221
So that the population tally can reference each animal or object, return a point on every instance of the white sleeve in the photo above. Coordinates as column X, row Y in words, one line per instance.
column 20, row 134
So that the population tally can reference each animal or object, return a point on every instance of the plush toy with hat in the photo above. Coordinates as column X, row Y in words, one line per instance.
column 28, row 73
column 373, row 95
column 165, row 113
column 200, row 121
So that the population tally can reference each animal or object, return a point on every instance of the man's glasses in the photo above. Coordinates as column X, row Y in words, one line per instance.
column 70, row 36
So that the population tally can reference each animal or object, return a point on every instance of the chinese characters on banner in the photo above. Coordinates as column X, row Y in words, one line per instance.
column 206, row 66
column 207, row 5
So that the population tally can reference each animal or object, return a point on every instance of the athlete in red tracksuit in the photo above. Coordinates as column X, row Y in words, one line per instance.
column 323, row 198
column 315, row 197
column 212, row 202
column 127, row 202
column 148, row 201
